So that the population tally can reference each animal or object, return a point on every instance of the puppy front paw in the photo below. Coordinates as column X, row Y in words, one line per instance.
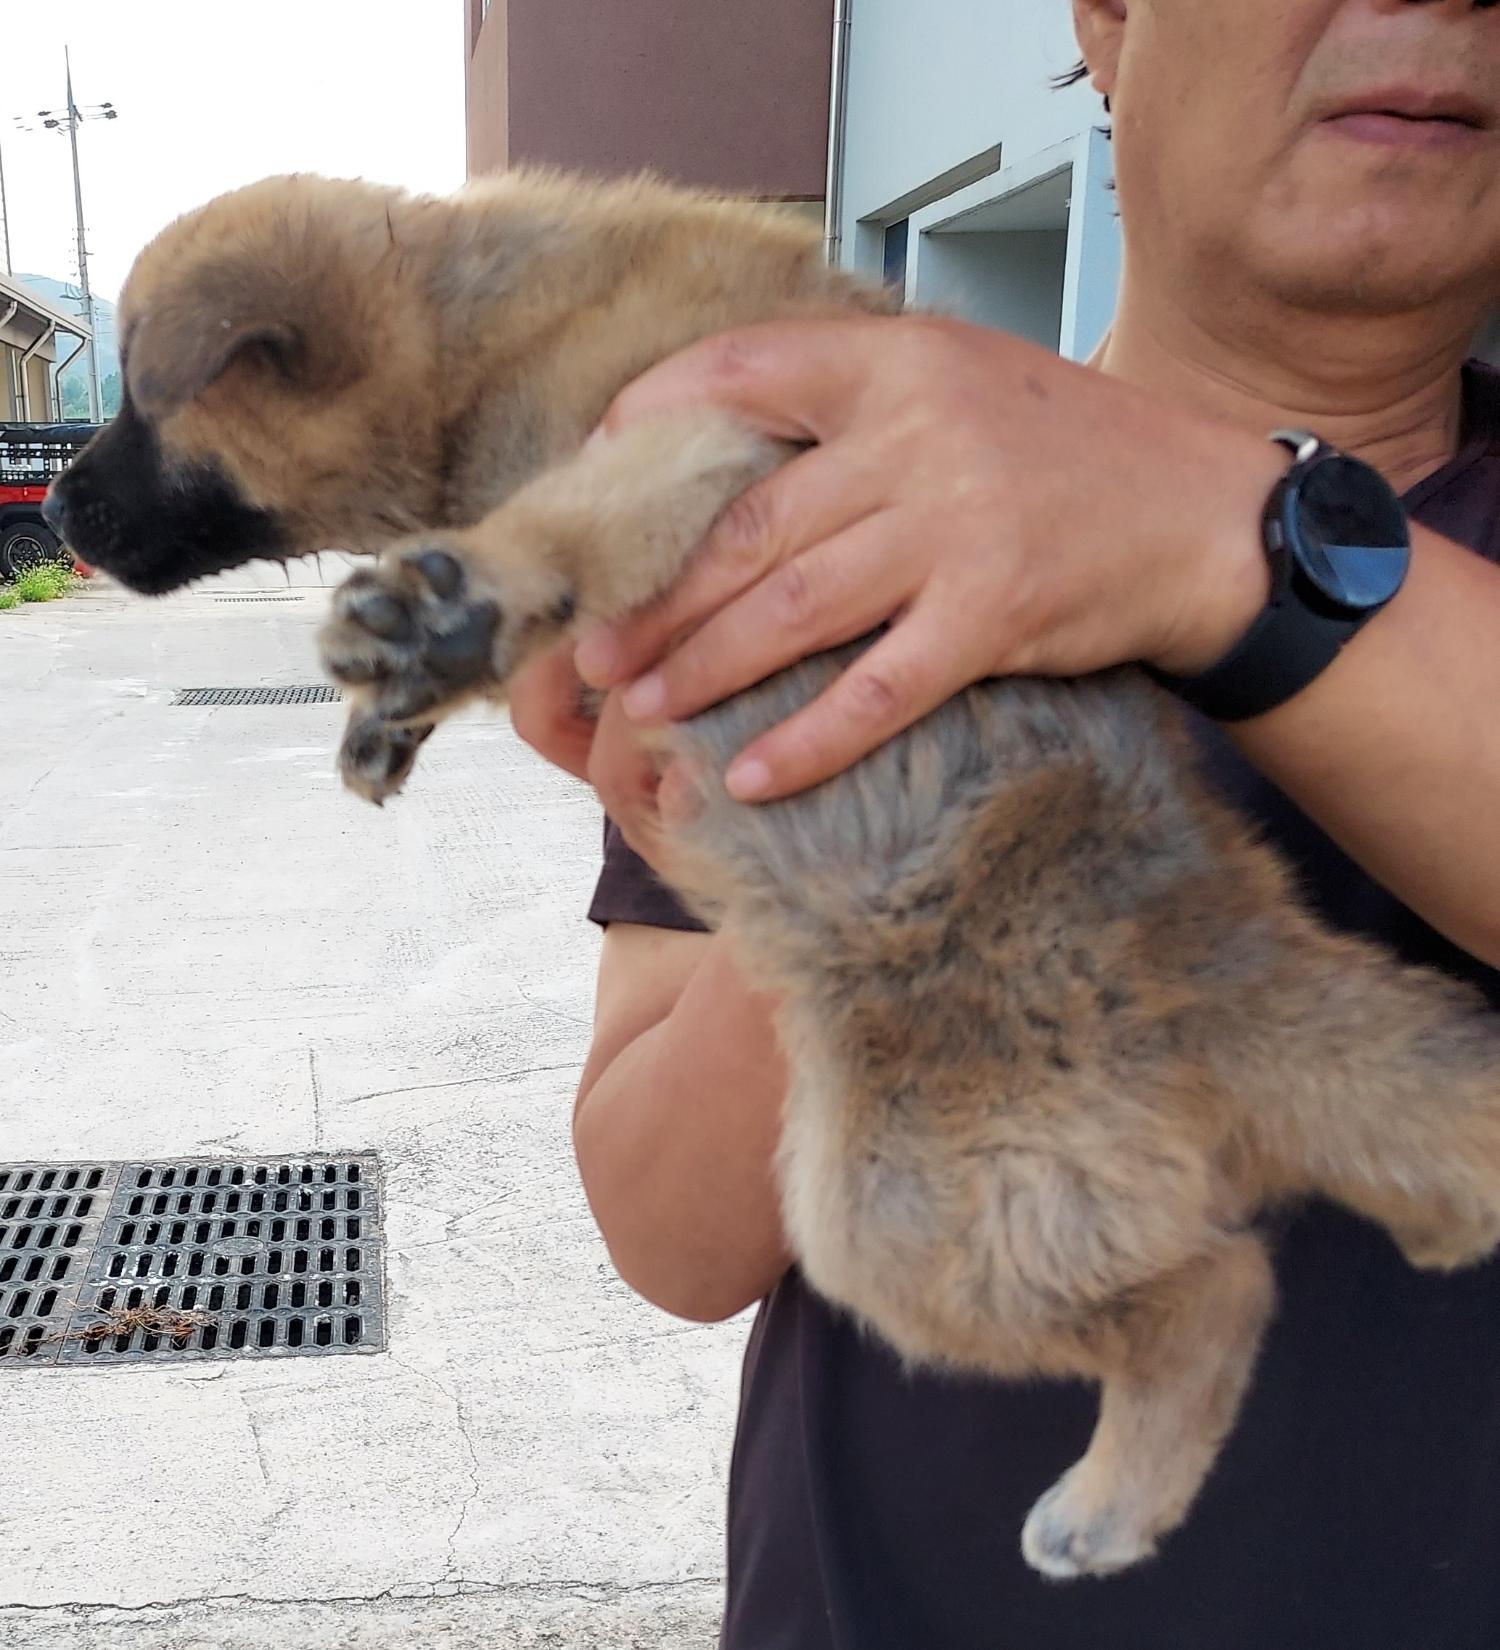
column 376, row 757
column 411, row 634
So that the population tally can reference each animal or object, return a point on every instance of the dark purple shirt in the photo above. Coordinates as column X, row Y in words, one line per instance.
column 1357, row 1503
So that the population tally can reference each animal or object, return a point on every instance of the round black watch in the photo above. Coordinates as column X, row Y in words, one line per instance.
column 1339, row 546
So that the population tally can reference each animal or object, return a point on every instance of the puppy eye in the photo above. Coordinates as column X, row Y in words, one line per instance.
column 284, row 351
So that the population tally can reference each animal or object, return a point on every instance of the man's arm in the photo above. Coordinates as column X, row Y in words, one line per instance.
column 1395, row 749
column 676, row 1124
column 679, row 1108
column 944, row 495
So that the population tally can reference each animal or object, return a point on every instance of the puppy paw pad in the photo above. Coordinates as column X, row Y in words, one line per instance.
column 1065, row 1539
column 443, row 573
column 382, row 614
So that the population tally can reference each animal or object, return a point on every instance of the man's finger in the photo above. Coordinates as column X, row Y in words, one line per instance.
column 620, row 769
column 679, row 798
column 544, row 710
column 813, row 498
column 903, row 676
column 841, row 589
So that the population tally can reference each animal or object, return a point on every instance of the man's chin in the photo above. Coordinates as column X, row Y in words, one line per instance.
column 1368, row 273
column 1372, row 245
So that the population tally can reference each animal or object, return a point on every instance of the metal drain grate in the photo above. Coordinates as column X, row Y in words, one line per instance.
column 189, row 1259
column 274, row 597
column 50, row 1218
column 317, row 693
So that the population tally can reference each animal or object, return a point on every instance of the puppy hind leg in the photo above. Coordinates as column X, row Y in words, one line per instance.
column 1378, row 1085
column 1074, row 1232
column 1175, row 1360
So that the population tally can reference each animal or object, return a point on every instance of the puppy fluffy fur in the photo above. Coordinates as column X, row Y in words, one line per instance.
column 1058, row 1028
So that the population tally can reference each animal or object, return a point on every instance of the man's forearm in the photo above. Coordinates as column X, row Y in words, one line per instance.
column 1395, row 749
column 676, row 1130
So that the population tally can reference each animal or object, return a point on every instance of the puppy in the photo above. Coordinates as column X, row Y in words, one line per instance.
column 1058, row 1028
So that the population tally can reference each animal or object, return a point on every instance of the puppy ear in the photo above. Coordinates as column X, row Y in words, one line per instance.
column 189, row 339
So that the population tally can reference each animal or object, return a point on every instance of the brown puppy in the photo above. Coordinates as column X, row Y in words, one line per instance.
column 1057, row 1027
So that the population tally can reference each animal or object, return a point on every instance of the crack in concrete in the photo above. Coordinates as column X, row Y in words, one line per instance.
column 451, row 1235
column 547, row 1008
column 462, row 1420
column 622, row 1340
column 62, row 758
column 317, row 1098
column 588, row 1592
column 461, row 1082
column 536, row 1220
column 473, row 1495
column 260, row 1450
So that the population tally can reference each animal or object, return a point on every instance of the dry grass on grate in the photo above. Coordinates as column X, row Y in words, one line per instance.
column 167, row 1321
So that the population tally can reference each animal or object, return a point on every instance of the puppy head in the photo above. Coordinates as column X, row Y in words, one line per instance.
column 281, row 390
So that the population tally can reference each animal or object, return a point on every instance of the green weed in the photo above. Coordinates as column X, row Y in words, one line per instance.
column 44, row 583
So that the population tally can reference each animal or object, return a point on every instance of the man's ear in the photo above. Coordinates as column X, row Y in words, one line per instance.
column 188, row 339
column 1100, row 26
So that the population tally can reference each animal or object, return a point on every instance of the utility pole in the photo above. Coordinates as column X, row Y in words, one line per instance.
column 4, row 213
column 96, row 394
column 838, row 121
column 69, row 120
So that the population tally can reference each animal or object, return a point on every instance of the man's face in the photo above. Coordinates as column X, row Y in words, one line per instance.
column 1336, row 151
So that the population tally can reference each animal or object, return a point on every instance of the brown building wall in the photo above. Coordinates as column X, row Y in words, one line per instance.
column 715, row 92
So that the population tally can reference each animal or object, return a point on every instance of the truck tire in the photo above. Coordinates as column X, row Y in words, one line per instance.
column 28, row 544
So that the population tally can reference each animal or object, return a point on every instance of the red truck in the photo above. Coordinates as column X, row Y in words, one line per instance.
column 30, row 455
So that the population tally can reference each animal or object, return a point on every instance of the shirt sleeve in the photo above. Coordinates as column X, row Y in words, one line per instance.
column 630, row 891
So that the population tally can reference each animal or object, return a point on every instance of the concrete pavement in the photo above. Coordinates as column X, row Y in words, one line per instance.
column 207, row 948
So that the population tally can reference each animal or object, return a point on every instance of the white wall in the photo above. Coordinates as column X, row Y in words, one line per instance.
column 1009, row 280
column 933, row 84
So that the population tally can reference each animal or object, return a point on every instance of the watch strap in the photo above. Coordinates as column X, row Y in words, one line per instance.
column 1271, row 663
column 1292, row 640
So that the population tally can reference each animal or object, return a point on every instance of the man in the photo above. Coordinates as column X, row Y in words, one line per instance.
column 1310, row 196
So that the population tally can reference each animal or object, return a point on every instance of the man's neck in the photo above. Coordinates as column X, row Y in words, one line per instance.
column 1387, row 388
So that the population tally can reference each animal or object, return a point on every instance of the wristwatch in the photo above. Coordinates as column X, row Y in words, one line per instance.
column 1339, row 546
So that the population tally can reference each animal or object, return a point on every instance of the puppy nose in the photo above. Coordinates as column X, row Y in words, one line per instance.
column 54, row 512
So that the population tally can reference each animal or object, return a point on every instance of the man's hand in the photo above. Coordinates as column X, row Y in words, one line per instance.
column 1002, row 510
column 611, row 754
column 546, row 710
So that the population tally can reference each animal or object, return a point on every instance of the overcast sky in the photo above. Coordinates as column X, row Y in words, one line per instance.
column 213, row 94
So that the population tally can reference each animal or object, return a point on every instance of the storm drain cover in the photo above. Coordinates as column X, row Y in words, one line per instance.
column 277, row 596
column 313, row 693
column 187, row 1259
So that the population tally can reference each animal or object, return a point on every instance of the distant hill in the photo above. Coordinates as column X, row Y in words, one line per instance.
column 64, row 296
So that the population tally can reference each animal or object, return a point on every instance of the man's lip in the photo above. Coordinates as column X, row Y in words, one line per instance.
column 1415, row 104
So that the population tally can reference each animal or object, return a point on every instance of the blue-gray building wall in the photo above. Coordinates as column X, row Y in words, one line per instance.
column 953, row 129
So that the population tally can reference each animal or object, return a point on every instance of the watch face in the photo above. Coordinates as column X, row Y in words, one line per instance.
column 1349, row 534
